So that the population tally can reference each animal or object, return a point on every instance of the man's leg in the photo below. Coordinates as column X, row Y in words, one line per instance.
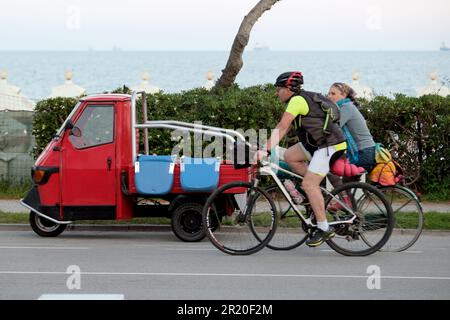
column 311, row 185
column 318, row 169
column 296, row 158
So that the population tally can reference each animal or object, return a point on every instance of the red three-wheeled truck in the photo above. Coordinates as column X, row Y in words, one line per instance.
column 92, row 170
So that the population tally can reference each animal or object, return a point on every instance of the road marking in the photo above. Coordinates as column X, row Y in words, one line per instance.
column 173, row 247
column 407, row 251
column 239, row 275
column 48, row 248
column 82, row 297
column 188, row 249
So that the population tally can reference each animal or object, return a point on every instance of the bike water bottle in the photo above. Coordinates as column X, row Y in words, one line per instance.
column 296, row 196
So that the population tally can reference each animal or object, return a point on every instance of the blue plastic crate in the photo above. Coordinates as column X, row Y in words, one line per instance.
column 199, row 174
column 154, row 174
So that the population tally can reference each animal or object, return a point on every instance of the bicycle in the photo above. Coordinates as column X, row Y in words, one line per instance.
column 409, row 217
column 406, row 207
column 234, row 228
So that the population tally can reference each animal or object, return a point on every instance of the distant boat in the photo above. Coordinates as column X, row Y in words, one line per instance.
column 261, row 47
column 444, row 47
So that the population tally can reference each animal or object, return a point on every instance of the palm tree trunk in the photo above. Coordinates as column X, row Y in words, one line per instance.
column 235, row 63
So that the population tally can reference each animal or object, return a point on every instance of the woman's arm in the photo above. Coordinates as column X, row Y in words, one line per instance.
column 345, row 115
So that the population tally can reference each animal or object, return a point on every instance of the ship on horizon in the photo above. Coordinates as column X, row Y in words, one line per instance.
column 444, row 47
column 261, row 47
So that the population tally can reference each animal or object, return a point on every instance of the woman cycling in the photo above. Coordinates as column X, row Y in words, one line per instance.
column 361, row 146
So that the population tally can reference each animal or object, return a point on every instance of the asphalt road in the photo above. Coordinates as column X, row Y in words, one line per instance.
column 155, row 265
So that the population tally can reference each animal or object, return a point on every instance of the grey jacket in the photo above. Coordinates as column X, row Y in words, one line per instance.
column 352, row 117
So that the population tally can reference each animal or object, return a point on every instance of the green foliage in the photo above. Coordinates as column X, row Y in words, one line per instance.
column 48, row 117
column 417, row 130
column 233, row 108
column 14, row 189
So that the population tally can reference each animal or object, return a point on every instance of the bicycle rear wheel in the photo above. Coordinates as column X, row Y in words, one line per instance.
column 408, row 215
column 372, row 226
column 291, row 232
column 239, row 218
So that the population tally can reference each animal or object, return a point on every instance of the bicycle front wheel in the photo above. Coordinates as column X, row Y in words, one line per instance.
column 372, row 225
column 240, row 219
column 408, row 215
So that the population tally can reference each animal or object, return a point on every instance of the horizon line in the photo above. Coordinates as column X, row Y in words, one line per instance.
column 218, row 50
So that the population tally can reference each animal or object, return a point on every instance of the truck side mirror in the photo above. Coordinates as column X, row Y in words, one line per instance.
column 75, row 132
column 69, row 125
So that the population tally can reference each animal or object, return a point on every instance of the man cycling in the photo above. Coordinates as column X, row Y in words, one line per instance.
column 324, row 145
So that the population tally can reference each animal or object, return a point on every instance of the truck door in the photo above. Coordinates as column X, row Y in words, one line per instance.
column 88, row 165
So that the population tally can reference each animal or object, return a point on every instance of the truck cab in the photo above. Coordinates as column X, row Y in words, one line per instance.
column 93, row 170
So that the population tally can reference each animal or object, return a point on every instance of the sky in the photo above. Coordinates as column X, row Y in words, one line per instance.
column 212, row 24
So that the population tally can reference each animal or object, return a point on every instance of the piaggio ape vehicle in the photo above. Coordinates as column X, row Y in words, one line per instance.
column 92, row 170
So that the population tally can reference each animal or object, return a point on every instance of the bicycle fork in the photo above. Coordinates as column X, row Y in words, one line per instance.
column 244, row 212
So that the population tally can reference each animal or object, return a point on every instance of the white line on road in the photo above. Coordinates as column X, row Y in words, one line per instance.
column 171, row 246
column 48, row 248
column 407, row 251
column 262, row 275
column 82, row 297
column 188, row 249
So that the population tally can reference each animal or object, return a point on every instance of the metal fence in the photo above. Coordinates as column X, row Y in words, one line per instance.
column 16, row 139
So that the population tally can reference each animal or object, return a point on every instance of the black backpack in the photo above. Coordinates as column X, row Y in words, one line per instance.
column 329, row 108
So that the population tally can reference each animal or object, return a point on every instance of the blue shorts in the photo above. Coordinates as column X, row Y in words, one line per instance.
column 366, row 158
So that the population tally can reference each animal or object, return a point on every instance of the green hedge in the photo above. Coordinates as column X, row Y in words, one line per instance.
column 422, row 125
column 417, row 130
column 48, row 117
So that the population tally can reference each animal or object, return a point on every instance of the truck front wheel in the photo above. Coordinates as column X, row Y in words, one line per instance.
column 44, row 227
column 187, row 222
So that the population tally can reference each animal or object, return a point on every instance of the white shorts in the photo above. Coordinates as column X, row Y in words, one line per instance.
column 320, row 162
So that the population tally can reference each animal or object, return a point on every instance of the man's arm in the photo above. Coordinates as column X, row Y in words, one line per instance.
column 281, row 130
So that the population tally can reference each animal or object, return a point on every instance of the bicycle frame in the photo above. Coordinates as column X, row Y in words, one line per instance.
column 266, row 169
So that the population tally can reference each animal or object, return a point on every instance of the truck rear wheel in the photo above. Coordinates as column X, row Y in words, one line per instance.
column 44, row 227
column 187, row 222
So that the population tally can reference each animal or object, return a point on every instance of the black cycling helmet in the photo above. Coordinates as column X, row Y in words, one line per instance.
column 291, row 80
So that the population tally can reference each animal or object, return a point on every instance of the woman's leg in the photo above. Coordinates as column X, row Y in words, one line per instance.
column 367, row 159
column 335, row 180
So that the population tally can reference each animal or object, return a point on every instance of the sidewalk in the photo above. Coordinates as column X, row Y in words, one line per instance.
column 14, row 206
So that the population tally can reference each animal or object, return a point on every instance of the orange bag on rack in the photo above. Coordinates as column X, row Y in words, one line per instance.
column 387, row 172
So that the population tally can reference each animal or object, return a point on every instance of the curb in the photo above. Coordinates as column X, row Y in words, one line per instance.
column 134, row 227
column 93, row 227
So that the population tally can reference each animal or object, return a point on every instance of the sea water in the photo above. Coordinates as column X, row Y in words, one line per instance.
column 36, row 72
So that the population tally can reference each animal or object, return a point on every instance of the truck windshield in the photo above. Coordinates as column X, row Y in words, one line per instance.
column 61, row 129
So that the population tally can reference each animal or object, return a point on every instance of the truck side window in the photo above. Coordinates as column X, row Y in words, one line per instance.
column 97, row 127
